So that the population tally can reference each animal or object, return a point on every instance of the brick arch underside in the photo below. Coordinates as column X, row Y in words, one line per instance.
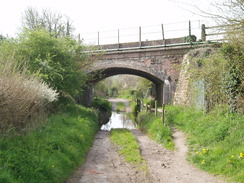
column 101, row 74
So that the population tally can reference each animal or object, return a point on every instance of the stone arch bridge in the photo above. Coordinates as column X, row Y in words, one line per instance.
column 152, row 60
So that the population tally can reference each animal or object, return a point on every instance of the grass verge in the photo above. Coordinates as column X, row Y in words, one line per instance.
column 155, row 129
column 120, row 107
column 128, row 147
column 50, row 153
column 216, row 140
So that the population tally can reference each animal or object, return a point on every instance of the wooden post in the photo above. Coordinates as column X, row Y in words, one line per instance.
column 156, row 108
column 140, row 36
column 163, row 113
column 164, row 43
column 203, row 36
column 163, row 106
column 150, row 106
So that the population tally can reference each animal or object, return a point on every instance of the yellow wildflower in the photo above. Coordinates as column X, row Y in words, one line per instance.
column 232, row 156
column 52, row 166
column 203, row 161
column 197, row 152
column 204, row 151
column 241, row 155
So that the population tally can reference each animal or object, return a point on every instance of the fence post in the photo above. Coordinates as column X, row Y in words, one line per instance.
column 203, row 36
column 163, row 113
column 98, row 38
column 190, row 28
column 140, row 36
column 164, row 42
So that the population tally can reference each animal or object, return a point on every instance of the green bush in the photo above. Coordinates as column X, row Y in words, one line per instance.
column 104, row 108
column 57, row 61
column 101, row 104
column 50, row 153
column 215, row 139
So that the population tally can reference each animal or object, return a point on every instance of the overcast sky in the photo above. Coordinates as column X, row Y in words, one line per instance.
column 100, row 15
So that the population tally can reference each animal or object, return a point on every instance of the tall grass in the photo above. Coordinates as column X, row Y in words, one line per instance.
column 23, row 98
column 154, row 127
column 50, row 153
column 216, row 140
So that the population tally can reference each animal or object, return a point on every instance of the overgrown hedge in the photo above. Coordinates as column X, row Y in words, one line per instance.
column 50, row 153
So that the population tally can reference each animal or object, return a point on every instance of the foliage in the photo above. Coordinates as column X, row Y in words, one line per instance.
column 23, row 99
column 104, row 108
column 101, row 90
column 55, row 60
column 101, row 104
column 190, row 38
column 153, row 125
column 222, row 72
column 113, row 92
column 215, row 139
column 51, row 152
column 128, row 147
column 125, row 94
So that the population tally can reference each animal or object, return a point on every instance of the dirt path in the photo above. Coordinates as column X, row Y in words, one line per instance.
column 116, row 100
column 104, row 165
column 171, row 167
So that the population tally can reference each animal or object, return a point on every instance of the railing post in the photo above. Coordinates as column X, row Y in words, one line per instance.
column 140, row 36
column 98, row 38
column 203, row 36
column 189, row 28
column 118, row 38
column 164, row 42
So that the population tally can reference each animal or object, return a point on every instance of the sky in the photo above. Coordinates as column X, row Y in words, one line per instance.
column 91, row 16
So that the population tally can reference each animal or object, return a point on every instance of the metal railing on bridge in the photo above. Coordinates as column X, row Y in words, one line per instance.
column 162, row 35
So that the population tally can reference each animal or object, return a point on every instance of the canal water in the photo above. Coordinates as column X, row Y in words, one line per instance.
column 118, row 120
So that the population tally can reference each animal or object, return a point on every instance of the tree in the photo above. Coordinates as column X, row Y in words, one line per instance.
column 56, row 24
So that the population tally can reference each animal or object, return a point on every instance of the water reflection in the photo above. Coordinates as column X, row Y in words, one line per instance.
column 118, row 120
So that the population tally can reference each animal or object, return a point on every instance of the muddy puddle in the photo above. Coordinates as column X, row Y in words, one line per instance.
column 118, row 120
